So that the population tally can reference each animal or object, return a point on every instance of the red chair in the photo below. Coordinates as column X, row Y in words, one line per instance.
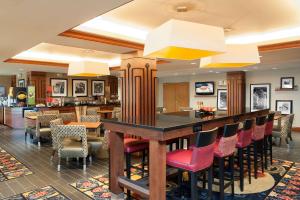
column 268, row 139
column 258, row 142
column 197, row 159
column 225, row 148
column 243, row 142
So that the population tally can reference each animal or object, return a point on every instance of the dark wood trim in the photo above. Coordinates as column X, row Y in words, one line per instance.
column 279, row 46
column 35, row 62
column 296, row 129
column 101, row 39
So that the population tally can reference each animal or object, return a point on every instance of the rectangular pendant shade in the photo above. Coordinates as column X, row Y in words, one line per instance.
column 184, row 40
column 86, row 68
column 235, row 56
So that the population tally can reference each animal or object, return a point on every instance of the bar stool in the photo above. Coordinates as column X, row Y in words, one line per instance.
column 258, row 139
column 244, row 141
column 268, row 139
column 225, row 148
column 197, row 159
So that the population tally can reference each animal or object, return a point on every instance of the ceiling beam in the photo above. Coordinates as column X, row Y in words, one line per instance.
column 278, row 46
column 35, row 62
column 102, row 39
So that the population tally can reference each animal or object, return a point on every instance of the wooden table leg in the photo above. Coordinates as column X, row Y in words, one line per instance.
column 116, row 161
column 157, row 171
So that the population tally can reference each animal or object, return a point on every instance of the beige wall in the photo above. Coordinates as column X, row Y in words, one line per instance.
column 268, row 76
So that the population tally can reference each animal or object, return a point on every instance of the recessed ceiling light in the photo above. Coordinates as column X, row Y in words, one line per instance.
column 210, row 71
column 217, row 72
column 245, row 70
column 175, row 74
column 193, row 73
column 260, row 56
column 274, row 68
column 193, row 63
column 21, row 69
column 181, row 8
column 227, row 29
column 255, row 67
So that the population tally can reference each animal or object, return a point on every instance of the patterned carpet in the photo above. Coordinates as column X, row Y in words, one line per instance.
column 10, row 167
column 284, row 175
column 44, row 193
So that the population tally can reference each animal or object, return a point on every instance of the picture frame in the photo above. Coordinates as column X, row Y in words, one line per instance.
column 205, row 88
column 59, row 87
column 222, row 99
column 284, row 106
column 260, row 96
column 79, row 87
column 287, row 83
column 21, row 83
column 98, row 87
column 2, row 91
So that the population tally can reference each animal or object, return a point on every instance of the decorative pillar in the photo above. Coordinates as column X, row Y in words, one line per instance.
column 236, row 92
column 139, row 87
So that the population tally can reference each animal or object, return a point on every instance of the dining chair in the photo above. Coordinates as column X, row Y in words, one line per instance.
column 68, row 117
column 268, row 151
column 43, row 126
column 225, row 148
column 196, row 160
column 116, row 112
column 286, row 129
column 71, row 149
column 30, row 125
column 53, row 124
column 244, row 142
column 90, row 118
column 258, row 143
column 50, row 112
column 92, row 111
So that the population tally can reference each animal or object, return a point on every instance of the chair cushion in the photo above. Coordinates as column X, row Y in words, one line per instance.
column 132, row 145
column 72, row 148
column 180, row 159
column 225, row 146
column 276, row 134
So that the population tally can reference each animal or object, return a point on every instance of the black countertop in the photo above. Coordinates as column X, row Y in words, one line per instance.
column 176, row 120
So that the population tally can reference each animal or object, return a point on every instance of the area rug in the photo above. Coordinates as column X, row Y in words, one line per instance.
column 44, row 193
column 10, row 167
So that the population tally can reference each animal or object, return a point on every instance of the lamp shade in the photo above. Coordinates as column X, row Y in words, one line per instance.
column 86, row 68
column 235, row 56
column 184, row 40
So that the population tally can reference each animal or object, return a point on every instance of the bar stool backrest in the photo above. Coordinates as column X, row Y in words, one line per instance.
column 269, row 124
column 203, row 152
column 228, row 141
column 245, row 135
column 259, row 128
column 230, row 129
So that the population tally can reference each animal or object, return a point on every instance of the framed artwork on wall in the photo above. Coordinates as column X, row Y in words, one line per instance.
column 59, row 87
column 2, row 91
column 287, row 82
column 21, row 83
column 205, row 88
column 260, row 96
column 284, row 106
column 222, row 99
column 98, row 87
column 79, row 87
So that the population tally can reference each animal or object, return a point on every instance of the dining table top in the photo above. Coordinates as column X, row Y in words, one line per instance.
column 88, row 125
column 104, row 111
column 34, row 117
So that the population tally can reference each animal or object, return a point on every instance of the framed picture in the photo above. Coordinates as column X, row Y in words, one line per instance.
column 21, row 83
column 2, row 91
column 98, row 87
column 59, row 87
column 79, row 87
column 287, row 83
column 260, row 96
column 284, row 106
column 222, row 99
column 205, row 88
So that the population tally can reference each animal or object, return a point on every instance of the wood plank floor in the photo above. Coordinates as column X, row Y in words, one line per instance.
column 44, row 172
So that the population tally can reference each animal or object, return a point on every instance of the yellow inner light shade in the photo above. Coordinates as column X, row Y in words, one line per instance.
column 226, row 65
column 87, row 74
column 182, row 53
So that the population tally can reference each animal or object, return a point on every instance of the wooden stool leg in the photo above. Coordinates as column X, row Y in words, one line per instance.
column 194, row 191
column 231, row 162
column 271, row 150
column 266, row 146
column 221, row 178
column 128, row 172
column 255, row 159
column 262, row 156
column 210, row 181
column 249, row 163
column 143, row 162
column 241, row 165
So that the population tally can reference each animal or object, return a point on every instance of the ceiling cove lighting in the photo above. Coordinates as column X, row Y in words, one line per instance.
column 86, row 68
column 235, row 56
column 184, row 40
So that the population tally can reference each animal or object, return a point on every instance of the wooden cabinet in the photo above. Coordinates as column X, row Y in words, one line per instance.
column 236, row 92
column 113, row 84
column 38, row 79
column 176, row 95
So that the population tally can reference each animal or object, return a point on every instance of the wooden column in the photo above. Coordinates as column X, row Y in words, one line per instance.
column 236, row 92
column 138, row 83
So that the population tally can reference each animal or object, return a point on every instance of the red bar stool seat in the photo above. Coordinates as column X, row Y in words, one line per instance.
column 195, row 160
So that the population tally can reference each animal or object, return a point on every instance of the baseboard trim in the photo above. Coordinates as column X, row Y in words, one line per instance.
column 296, row 129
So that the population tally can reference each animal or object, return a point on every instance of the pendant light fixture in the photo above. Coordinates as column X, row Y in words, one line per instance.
column 87, row 68
column 184, row 40
column 235, row 56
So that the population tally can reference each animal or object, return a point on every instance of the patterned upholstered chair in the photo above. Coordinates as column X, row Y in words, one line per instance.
column 92, row 111
column 43, row 126
column 51, row 112
column 286, row 129
column 30, row 125
column 116, row 112
column 90, row 118
column 71, row 149
column 68, row 117
column 53, row 124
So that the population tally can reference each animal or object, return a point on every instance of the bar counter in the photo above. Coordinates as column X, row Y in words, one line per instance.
column 163, row 128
